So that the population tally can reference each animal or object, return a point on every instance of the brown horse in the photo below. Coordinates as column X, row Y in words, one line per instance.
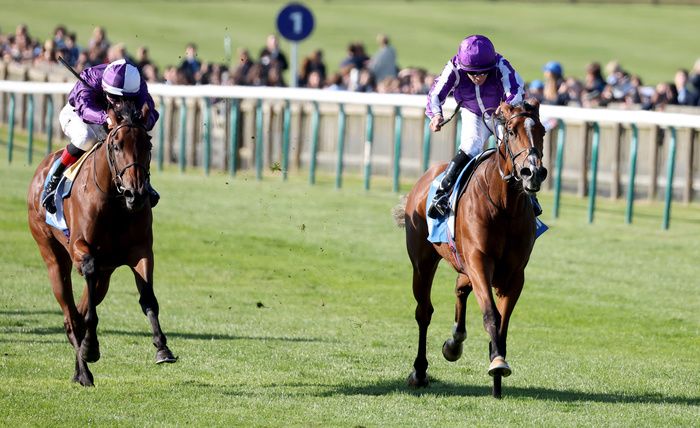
column 109, row 219
column 494, row 236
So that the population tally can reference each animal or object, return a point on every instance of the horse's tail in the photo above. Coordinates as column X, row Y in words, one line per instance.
column 399, row 212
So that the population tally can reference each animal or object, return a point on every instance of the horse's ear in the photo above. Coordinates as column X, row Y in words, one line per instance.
column 145, row 110
column 532, row 105
column 113, row 117
column 505, row 111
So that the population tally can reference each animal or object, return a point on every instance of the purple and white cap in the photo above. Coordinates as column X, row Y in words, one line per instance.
column 121, row 78
column 476, row 54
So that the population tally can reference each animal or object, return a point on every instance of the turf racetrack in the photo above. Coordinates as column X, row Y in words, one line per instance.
column 291, row 305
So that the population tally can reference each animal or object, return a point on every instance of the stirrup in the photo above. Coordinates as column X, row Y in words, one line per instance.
column 438, row 208
column 49, row 201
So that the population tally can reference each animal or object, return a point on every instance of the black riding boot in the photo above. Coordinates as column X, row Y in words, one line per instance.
column 536, row 207
column 438, row 208
column 52, row 180
column 153, row 196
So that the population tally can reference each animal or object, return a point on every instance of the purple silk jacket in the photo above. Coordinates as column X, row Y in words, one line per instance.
column 502, row 84
column 90, row 102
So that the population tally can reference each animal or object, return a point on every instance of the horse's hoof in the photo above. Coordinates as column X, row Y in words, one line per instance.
column 499, row 366
column 165, row 356
column 451, row 350
column 416, row 382
column 84, row 379
column 90, row 354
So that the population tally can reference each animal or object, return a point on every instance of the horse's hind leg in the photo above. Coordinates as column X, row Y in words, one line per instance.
column 143, row 273
column 59, row 268
column 452, row 348
column 425, row 261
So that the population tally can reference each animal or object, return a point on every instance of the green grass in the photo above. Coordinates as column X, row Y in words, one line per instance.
column 291, row 305
column 650, row 40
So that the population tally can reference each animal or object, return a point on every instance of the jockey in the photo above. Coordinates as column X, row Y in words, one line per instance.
column 479, row 79
column 84, row 119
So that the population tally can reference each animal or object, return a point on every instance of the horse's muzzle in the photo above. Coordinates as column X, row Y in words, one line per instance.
column 533, row 178
column 134, row 200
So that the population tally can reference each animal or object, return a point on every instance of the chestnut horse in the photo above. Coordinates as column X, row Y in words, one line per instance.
column 494, row 236
column 109, row 218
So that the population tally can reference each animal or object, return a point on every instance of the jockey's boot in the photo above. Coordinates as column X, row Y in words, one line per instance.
column 153, row 195
column 52, row 179
column 536, row 207
column 439, row 206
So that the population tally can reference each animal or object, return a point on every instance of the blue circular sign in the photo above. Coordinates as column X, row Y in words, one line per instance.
column 295, row 22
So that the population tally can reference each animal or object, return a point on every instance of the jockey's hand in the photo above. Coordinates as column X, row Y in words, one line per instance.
column 435, row 123
column 108, row 124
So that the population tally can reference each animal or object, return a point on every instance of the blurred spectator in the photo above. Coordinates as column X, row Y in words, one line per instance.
column 553, row 80
column 312, row 64
column 357, row 58
column 142, row 58
column 70, row 50
column 535, row 90
column 59, row 37
column 593, row 83
column 695, row 77
column 335, row 82
column 118, row 51
column 365, row 81
column 618, row 80
column 98, row 46
column 314, row 80
column 240, row 73
column 49, row 55
column 274, row 75
column 687, row 95
column 383, row 62
column 190, row 65
column 150, row 73
column 664, row 94
column 272, row 55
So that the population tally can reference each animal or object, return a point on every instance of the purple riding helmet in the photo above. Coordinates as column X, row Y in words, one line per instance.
column 476, row 54
column 121, row 79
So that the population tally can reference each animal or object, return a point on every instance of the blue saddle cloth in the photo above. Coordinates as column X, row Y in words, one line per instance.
column 57, row 219
column 442, row 229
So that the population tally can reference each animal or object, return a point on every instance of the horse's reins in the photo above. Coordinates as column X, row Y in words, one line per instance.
column 505, row 140
column 117, row 174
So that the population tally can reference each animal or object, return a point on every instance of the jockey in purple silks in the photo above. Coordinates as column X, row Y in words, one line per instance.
column 479, row 79
column 84, row 119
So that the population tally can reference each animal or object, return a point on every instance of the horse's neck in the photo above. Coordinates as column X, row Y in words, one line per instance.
column 97, row 174
column 503, row 193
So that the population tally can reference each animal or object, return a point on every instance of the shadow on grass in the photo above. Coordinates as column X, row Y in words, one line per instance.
column 440, row 388
column 58, row 330
column 27, row 312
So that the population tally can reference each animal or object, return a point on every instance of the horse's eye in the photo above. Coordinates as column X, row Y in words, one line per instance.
column 511, row 133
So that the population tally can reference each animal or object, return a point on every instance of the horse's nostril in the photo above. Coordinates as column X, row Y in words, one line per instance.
column 542, row 173
column 128, row 194
column 525, row 172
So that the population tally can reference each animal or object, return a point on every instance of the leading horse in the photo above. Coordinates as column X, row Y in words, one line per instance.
column 494, row 236
column 108, row 215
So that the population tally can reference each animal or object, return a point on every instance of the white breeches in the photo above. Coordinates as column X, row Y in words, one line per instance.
column 82, row 135
column 474, row 134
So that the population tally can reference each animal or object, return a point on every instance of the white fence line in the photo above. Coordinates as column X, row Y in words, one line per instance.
column 602, row 115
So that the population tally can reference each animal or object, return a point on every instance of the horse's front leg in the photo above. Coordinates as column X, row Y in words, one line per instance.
column 481, row 274
column 143, row 273
column 452, row 348
column 89, row 347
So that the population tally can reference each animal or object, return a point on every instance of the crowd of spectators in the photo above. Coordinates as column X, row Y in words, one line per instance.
column 358, row 71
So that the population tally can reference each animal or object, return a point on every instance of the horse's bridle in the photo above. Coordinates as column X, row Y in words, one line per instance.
column 114, row 172
column 515, row 174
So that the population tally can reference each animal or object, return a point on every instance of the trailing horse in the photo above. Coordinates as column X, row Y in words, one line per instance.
column 108, row 215
column 494, row 234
